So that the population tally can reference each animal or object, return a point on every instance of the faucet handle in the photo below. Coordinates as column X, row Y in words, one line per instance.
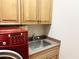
column 38, row 37
column 33, row 34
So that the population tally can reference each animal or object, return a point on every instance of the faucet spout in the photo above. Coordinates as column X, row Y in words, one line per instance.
column 33, row 37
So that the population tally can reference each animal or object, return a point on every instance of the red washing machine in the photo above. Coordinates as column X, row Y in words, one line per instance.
column 13, row 43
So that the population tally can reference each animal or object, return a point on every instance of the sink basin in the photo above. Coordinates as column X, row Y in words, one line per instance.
column 37, row 44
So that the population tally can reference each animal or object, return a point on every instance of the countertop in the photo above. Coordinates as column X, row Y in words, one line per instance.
column 54, row 42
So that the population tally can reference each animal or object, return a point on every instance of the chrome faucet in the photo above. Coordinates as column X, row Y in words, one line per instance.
column 34, row 37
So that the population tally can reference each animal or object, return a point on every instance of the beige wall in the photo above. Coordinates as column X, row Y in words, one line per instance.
column 38, row 29
column 66, row 27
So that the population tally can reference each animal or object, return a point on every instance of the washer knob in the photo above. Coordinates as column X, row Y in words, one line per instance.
column 9, row 35
column 4, row 43
column 21, row 34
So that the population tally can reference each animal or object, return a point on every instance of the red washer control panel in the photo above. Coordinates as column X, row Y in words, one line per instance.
column 13, row 37
column 16, row 38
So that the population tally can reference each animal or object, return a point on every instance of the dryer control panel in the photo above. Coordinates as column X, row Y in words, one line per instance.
column 13, row 37
column 17, row 38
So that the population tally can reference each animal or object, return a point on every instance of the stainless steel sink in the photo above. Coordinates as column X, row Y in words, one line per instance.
column 37, row 44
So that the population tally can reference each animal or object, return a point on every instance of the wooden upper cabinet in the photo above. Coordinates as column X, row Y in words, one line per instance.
column 45, row 11
column 10, row 11
column 36, row 11
column 25, row 11
column 29, row 11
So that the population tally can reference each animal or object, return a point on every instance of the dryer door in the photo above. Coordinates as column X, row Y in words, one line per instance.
column 8, row 54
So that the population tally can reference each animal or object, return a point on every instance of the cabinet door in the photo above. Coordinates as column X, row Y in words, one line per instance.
column 10, row 11
column 45, row 11
column 54, row 57
column 51, row 53
column 29, row 12
column 44, row 57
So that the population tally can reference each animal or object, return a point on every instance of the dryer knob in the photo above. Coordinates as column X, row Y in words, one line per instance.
column 4, row 43
column 21, row 34
column 9, row 35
